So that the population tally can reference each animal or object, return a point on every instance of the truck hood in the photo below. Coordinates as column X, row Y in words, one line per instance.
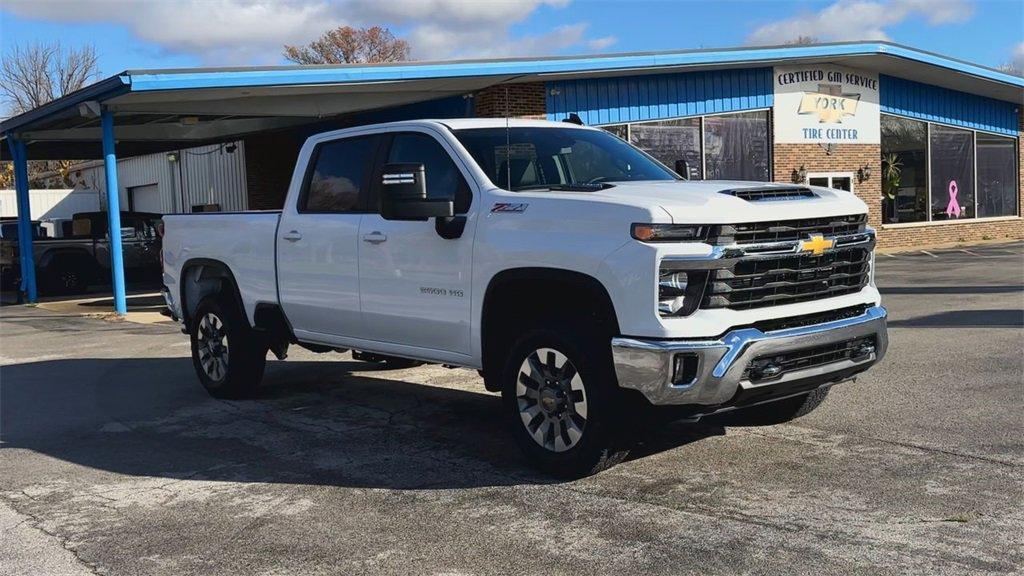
column 704, row 202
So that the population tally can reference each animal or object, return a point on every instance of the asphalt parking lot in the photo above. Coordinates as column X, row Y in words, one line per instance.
column 115, row 461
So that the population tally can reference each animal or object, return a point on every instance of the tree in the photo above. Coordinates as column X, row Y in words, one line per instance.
column 802, row 41
column 1011, row 68
column 32, row 75
column 347, row 45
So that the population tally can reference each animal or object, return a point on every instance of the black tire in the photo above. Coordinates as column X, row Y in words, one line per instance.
column 600, row 440
column 781, row 411
column 237, row 372
column 67, row 275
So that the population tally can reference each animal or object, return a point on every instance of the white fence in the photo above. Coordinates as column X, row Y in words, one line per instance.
column 50, row 203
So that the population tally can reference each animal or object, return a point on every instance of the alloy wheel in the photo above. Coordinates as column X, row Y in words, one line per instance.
column 551, row 399
column 212, row 342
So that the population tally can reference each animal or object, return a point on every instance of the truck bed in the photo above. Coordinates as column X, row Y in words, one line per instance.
column 244, row 241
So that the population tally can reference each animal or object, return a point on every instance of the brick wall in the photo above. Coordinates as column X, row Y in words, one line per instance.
column 269, row 162
column 850, row 157
column 524, row 101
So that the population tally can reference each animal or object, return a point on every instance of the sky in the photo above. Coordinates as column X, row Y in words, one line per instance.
column 145, row 34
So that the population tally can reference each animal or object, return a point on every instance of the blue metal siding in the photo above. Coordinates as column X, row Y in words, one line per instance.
column 638, row 98
column 924, row 102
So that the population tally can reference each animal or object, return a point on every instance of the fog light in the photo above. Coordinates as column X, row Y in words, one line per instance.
column 671, row 292
column 684, row 369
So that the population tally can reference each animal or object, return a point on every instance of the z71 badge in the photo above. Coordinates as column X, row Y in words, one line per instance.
column 518, row 207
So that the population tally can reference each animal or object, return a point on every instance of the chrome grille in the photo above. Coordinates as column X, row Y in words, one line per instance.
column 782, row 230
column 788, row 278
column 767, row 368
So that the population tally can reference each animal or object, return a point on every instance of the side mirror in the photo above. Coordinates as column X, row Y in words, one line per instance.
column 683, row 168
column 403, row 195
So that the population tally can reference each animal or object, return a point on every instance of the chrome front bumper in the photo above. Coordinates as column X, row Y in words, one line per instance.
column 647, row 365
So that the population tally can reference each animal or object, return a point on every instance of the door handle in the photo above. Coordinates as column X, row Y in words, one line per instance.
column 374, row 237
column 292, row 236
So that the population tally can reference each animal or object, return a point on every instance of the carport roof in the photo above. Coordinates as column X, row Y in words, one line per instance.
column 166, row 109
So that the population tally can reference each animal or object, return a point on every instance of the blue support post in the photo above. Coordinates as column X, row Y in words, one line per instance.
column 113, row 212
column 25, row 253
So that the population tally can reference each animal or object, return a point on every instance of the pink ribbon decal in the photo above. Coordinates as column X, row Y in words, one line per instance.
column 953, row 209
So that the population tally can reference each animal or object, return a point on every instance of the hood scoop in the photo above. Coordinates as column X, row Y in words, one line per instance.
column 771, row 193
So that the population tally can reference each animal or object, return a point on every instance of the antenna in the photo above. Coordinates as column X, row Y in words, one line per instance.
column 508, row 145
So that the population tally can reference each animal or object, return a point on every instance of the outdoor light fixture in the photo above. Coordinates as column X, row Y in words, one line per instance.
column 864, row 173
column 800, row 174
column 172, row 157
column 230, row 148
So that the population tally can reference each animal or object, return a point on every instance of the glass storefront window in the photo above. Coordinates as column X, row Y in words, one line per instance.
column 736, row 146
column 997, row 175
column 904, row 170
column 675, row 143
column 952, row 173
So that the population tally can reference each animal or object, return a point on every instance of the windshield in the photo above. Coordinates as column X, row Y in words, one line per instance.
column 557, row 157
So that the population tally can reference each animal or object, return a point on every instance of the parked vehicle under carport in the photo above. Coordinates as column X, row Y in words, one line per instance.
column 68, row 265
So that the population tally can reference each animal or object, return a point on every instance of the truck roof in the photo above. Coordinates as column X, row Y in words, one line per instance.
column 465, row 123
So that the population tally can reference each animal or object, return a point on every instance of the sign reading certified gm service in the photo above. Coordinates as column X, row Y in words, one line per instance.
column 825, row 104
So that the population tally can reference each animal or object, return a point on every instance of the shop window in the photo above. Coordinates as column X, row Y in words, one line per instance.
column 904, row 170
column 952, row 173
column 674, row 143
column 736, row 147
column 997, row 175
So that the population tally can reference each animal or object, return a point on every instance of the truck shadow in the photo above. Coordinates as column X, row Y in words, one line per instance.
column 313, row 422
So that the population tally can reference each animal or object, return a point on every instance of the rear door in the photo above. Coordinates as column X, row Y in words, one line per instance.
column 415, row 285
column 317, row 250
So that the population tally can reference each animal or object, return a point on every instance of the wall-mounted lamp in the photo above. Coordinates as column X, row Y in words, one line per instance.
column 864, row 173
column 799, row 175
column 172, row 157
column 230, row 148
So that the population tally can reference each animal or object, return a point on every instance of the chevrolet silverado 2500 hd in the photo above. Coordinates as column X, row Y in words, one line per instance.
column 583, row 279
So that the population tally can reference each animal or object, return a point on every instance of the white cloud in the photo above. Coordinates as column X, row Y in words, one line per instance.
column 254, row 31
column 1017, row 57
column 860, row 20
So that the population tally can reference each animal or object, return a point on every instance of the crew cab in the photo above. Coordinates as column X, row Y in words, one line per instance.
column 588, row 283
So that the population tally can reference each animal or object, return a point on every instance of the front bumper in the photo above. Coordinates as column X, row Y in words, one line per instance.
column 722, row 364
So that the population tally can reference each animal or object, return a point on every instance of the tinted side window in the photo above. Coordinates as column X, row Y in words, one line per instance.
column 443, row 178
column 339, row 175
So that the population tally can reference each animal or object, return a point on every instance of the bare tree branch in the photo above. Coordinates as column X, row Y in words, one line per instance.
column 347, row 45
column 36, row 73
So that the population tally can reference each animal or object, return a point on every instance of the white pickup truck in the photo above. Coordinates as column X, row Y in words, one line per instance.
column 585, row 281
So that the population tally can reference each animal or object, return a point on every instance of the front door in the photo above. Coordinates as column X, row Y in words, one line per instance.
column 317, row 250
column 414, row 284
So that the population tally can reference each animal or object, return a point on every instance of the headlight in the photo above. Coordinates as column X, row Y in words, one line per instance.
column 680, row 292
column 668, row 232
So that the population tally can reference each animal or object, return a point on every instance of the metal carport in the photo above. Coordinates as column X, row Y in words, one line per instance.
column 140, row 112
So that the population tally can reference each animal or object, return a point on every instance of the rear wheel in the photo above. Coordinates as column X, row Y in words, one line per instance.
column 228, row 356
column 560, row 399
column 67, row 275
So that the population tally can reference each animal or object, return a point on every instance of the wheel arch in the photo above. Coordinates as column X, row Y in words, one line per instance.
column 518, row 296
column 201, row 277
column 48, row 256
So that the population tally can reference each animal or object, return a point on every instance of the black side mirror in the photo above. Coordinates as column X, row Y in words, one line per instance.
column 683, row 168
column 403, row 194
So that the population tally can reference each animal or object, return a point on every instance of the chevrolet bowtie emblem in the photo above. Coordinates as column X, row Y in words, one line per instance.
column 816, row 244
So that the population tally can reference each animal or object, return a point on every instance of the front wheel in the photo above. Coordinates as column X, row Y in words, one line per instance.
column 561, row 402
column 228, row 356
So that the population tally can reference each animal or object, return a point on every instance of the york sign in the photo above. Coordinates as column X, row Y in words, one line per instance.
column 825, row 104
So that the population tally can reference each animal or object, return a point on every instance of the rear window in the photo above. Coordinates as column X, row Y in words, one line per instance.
column 339, row 175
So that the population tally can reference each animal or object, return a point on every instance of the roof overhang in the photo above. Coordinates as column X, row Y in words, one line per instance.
column 167, row 109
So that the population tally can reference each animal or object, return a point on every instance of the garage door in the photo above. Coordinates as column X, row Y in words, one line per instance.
column 145, row 198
